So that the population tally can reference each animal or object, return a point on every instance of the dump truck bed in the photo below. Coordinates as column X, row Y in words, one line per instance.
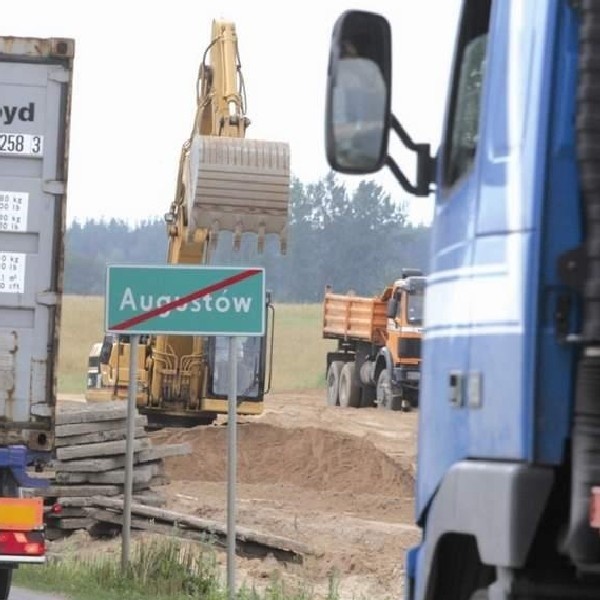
column 348, row 317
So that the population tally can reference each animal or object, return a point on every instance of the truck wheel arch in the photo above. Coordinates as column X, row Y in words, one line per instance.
column 486, row 493
column 383, row 361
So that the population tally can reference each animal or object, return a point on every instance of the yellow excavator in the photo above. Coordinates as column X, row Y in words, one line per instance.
column 226, row 182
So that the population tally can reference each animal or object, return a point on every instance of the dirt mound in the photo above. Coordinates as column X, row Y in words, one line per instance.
column 310, row 458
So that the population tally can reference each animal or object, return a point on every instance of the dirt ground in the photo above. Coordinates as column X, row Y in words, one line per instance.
column 339, row 480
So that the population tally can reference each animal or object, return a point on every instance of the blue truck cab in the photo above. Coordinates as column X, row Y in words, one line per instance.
column 509, row 423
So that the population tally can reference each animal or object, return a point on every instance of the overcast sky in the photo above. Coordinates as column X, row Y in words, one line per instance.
column 134, row 85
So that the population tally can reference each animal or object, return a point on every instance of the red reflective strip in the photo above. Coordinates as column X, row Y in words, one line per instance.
column 595, row 508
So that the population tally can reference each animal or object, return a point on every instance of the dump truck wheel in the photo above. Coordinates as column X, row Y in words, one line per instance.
column 5, row 581
column 349, row 387
column 333, row 383
column 385, row 396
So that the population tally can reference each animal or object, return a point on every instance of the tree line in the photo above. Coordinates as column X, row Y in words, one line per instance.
column 357, row 240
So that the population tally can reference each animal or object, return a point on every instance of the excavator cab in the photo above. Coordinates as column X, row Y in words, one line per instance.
column 250, row 368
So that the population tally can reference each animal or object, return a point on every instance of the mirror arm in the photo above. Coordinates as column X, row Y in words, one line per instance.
column 425, row 163
column 399, row 175
column 402, row 134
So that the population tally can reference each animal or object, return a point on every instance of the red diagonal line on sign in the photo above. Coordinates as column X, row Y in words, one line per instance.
column 219, row 285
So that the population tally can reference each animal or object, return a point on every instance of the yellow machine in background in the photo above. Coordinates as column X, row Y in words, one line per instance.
column 225, row 182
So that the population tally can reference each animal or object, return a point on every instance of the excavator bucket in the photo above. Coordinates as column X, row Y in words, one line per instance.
column 239, row 185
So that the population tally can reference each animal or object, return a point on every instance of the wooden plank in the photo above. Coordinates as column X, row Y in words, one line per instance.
column 79, row 501
column 88, row 413
column 243, row 547
column 83, row 428
column 149, row 497
column 87, row 465
column 107, row 516
column 109, row 435
column 208, row 526
column 100, row 449
column 141, row 474
column 73, row 523
column 165, row 450
column 95, row 465
column 70, row 478
column 56, row 491
column 90, row 465
column 67, row 513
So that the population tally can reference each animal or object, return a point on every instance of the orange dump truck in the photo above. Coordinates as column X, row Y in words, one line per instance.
column 378, row 355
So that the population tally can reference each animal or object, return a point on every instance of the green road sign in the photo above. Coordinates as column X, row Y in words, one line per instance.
column 185, row 300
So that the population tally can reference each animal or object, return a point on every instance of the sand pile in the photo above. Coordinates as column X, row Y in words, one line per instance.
column 311, row 458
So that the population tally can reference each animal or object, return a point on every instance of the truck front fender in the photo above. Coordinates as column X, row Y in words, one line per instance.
column 499, row 504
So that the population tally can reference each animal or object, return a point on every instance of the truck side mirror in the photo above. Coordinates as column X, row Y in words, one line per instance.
column 357, row 118
column 392, row 308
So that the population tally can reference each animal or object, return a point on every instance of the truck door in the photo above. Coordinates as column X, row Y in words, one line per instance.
column 511, row 185
column 450, row 294
column 481, row 294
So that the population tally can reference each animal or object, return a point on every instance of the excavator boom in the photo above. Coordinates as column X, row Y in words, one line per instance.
column 225, row 182
column 228, row 182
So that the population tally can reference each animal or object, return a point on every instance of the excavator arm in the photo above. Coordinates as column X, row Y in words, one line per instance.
column 221, row 90
column 225, row 182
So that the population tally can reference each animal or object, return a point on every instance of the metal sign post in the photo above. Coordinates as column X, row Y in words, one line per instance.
column 231, row 465
column 185, row 300
column 134, row 342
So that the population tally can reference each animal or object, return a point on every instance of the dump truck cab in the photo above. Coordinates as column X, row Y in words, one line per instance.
column 404, row 333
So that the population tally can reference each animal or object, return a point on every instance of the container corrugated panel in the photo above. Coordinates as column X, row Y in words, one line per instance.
column 35, row 100
column 354, row 318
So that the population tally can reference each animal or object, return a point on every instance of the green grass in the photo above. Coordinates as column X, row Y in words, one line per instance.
column 299, row 355
column 160, row 569
column 299, row 349
column 82, row 324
